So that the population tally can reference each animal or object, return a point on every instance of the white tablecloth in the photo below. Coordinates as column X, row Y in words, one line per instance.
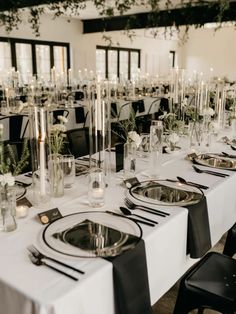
column 26, row 289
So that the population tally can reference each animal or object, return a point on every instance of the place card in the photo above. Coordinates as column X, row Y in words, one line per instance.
column 49, row 216
column 129, row 183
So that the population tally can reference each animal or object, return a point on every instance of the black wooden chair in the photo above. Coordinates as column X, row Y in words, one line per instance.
column 230, row 243
column 78, row 142
column 17, row 126
column 211, row 283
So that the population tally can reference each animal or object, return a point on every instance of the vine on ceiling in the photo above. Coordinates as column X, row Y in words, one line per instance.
column 187, row 12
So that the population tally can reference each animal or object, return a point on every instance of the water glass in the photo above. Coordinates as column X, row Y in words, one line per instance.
column 68, row 163
column 129, row 160
column 143, row 148
column 8, row 209
column 96, row 191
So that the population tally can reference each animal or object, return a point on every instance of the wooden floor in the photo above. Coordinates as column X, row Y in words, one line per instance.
column 166, row 304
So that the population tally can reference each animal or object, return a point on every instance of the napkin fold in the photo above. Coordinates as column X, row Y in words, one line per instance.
column 79, row 115
column 130, row 278
column 198, row 237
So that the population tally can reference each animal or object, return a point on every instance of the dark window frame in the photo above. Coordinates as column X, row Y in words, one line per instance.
column 13, row 41
column 172, row 53
column 118, row 49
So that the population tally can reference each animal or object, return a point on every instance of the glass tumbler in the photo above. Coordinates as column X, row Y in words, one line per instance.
column 96, row 191
column 68, row 164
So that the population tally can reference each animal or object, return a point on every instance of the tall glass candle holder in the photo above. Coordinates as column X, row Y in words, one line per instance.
column 38, row 124
column 156, row 137
column 99, row 126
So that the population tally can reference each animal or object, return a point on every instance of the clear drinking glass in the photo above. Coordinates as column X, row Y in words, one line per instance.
column 129, row 159
column 68, row 164
column 8, row 209
column 143, row 148
column 96, row 191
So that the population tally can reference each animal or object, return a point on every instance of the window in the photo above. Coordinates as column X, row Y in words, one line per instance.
column 101, row 63
column 24, row 61
column 114, row 62
column 43, row 61
column 33, row 57
column 60, row 58
column 124, row 65
column 5, row 53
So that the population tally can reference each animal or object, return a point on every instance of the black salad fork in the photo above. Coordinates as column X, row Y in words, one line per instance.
column 39, row 262
column 35, row 252
column 133, row 206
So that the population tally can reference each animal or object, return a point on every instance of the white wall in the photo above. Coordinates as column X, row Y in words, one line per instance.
column 207, row 49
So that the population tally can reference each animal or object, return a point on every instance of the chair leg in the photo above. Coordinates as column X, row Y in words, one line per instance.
column 230, row 243
column 200, row 310
column 183, row 303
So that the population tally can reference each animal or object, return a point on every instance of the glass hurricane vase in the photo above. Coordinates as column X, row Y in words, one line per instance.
column 56, row 175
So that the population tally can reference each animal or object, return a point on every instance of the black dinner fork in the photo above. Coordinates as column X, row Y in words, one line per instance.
column 133, row 206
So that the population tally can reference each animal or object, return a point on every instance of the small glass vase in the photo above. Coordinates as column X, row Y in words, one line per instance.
column 129, row 159
column 56, row 175
column 8, row 208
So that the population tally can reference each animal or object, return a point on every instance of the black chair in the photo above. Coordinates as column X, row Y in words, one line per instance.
column 230, row 243
column 78, row 140
column 80, row 115
column 211, row 283
column 17, row 127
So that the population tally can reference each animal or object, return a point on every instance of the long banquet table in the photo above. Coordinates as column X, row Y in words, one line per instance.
column 27, row 289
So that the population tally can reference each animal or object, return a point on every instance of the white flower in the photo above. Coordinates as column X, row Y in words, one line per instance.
column 208, row 112
column 7, row 178
column 58, row 128
column 62, row 119
column 133, row 136
column 174, row 138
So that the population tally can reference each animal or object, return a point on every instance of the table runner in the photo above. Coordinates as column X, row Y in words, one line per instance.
column 198, row 234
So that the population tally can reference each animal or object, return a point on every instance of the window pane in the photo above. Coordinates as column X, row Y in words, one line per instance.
column 5, row 53
column 112, row 64
column 43, row 61
column 24, row 61
column 134, row 64
column 60, row 59
column 124, row 65
column 101, row 63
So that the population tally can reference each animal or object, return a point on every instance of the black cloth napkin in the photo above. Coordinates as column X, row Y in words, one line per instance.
column 131, row 281
column 138, row 106
column 198, row 237
column 79, row 115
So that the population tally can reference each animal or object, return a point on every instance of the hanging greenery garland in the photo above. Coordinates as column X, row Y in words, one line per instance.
column 186, row 13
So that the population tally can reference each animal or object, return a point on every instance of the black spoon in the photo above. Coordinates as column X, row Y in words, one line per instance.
column 127, row 212
column 200, row 186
